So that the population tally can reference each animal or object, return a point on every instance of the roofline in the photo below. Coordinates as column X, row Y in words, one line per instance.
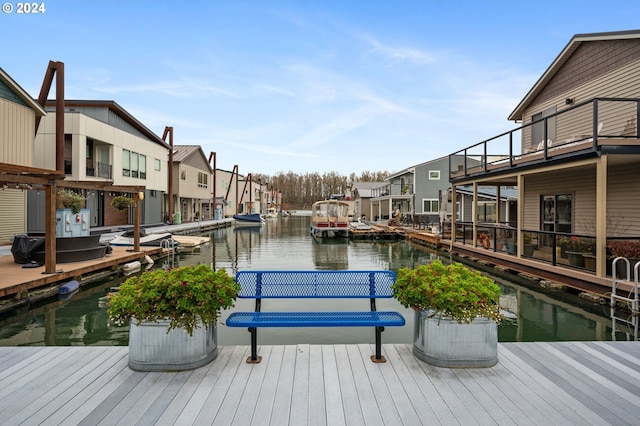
column 115, row 107
column 33, row 104
column 412, row 169
column 199, row 149
column 571, row 47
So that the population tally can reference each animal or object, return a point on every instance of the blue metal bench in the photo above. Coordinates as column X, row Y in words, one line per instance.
column 315, row 284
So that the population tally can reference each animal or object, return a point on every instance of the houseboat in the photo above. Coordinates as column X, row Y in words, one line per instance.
column 330, row 218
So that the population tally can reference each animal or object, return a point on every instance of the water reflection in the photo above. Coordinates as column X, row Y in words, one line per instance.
column 284, row 243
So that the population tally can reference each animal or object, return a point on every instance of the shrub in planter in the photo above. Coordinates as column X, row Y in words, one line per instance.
column 457, row 313
column 181, row 295
column 121, row 203
column 69, row 199
column 172, row 315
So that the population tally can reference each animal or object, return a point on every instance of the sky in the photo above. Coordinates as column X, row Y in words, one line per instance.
column 306, row 86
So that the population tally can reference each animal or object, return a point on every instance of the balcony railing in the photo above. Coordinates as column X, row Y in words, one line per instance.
column 102, row 170
column 393, row 189
column 577, row 128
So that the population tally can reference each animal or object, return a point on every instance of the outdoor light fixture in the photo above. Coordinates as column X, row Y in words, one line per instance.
column 568, row 101
column 141, row 195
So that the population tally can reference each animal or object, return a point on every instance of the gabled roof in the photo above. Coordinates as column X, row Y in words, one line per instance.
column 21, row 93
column 560, row 60
column 365, row 189
column 118, row 110
column 182, row 152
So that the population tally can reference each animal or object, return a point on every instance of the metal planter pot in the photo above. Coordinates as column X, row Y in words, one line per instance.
column 446, row 343
column 151, row 348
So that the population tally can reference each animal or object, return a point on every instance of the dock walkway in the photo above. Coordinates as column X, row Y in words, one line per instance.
column 574, row 383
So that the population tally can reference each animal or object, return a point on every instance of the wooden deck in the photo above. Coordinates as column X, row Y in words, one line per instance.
column 533, row 383
column 15, row 279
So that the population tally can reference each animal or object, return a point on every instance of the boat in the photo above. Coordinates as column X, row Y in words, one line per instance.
column 271, row 212
column 248, row 219
column 147, row 240
column 330, row 218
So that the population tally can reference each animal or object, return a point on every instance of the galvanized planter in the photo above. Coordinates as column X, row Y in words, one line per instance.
column 446, row 343
column 151, row 348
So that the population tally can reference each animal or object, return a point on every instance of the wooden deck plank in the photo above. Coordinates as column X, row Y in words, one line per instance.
column 216, row 397
column 208, row 383
column 556, row 370
column 533, row 383
column 300, row 397
column 272, row 361
column 37, row 406
column 429, row 392
column 367, row 400
column 564, row 404
column 405, row 374
column 381, row 390
column 332, row 392
column 348, row 391
column 317, row 400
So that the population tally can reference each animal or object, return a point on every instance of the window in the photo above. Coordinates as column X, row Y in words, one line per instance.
column 537, row 129
column 134, row 164
column 431, row 206
column 156, row 165
column 143, row 166
column 487, row 211
column 183, row 173
column 203, row 180
column 434, row 174
column 126, row 162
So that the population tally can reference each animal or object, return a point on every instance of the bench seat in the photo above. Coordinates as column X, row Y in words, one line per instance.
column 315, row 319
column 340, row 284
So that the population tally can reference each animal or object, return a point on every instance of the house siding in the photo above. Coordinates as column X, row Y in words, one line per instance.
column 14, row 220
column 580, row 184
column 16, row 133
column 622, row 80
column 623, row 201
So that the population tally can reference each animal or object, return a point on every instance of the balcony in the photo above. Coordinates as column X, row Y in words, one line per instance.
column 101, row 170
column 393, row 189
column 599, row 125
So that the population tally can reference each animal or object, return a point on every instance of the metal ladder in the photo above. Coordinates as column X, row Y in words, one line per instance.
column 168, row 246
column 631, row 299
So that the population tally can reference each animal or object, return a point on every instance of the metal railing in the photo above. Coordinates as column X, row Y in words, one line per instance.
column 577, row 127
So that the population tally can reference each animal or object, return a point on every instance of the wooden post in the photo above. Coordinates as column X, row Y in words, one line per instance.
column 50, row 229
column 136, row 221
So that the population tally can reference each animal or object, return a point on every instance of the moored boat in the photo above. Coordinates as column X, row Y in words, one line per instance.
column 153, row 240
column 330, row 218
column 248, row 219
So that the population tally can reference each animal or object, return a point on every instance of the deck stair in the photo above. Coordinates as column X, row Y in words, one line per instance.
column 630, row 300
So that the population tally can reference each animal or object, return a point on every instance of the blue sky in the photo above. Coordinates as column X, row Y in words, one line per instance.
column 307, row 86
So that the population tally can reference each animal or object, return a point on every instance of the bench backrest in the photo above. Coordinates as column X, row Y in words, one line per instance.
column 315, row 284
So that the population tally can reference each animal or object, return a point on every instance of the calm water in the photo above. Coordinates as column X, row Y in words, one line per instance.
column 285, row 244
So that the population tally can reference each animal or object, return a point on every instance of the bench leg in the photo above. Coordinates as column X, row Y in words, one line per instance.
column 254, row 358
column 378, row 356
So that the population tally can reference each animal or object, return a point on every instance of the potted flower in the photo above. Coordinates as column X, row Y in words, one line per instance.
column 456, row 314
column 121, row 203
column 68, row 199
column 172, row 315
column 528, row 247
column 576, row 248
column 629, row 250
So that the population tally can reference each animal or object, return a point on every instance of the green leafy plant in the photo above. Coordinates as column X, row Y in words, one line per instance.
column 69, row 199
column 575, row 244
column 121, row 203
column 453, row 291
column 624, row 248
column 182, row 295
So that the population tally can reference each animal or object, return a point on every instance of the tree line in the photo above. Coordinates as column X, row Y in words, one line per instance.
column 300, row 191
